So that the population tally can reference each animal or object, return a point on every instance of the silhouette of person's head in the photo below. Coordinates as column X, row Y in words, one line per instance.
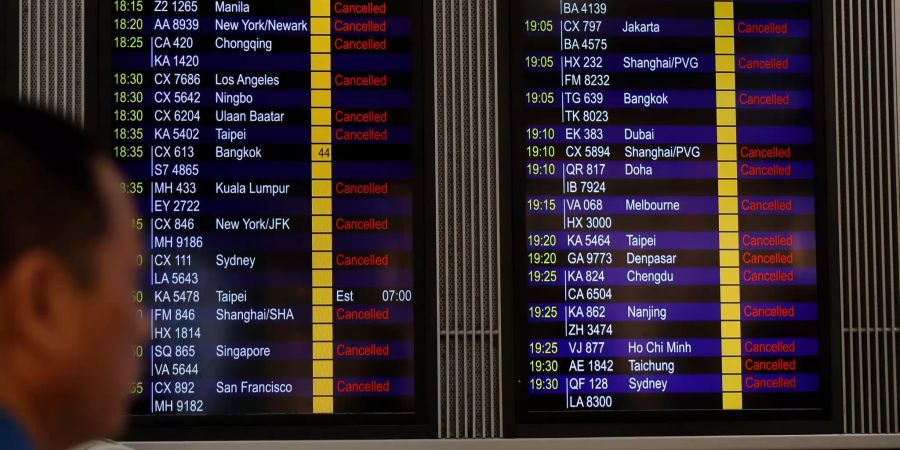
column 68, row 323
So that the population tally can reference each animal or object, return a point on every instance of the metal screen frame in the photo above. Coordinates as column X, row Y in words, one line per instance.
column 422, row 424
column 665, row 423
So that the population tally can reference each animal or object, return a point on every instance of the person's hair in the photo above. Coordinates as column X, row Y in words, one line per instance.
column 49, row 196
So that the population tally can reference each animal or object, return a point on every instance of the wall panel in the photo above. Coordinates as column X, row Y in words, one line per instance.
column 467, row 198
column 52, row 55
column 868, row 158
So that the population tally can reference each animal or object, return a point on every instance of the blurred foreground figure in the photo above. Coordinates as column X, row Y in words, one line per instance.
column 67, row 271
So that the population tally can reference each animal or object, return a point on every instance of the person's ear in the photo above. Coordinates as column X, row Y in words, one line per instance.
column 40, row 290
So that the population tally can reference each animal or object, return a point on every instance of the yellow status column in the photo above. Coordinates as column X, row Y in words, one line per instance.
column 729, row 242
column 322, row 328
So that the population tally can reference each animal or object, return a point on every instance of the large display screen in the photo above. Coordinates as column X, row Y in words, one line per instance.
column 276, row 151
column 666, row 161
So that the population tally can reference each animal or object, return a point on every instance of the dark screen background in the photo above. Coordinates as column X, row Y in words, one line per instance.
column 596, row 136
column 167, row 121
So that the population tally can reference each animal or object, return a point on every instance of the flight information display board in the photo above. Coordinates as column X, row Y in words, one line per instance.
column 276, row 151
column 666, row 161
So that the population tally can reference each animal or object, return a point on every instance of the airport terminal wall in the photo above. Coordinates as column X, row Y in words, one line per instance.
column 467, row 260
